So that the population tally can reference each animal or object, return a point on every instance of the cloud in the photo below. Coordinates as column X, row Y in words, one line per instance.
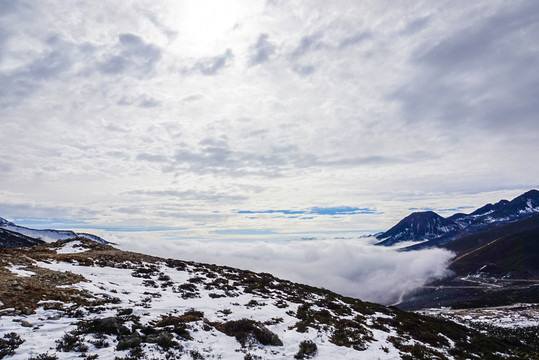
column 130, row 56
column 212, row 65
column 188, row 195
column 261, row 51
column 479, row 76
column 142, row 101
column 21, row 81
column 416, row 25
column 349, row 267
column 29, row 209
column 442, row 210
column 220, row 156
column 354, row 39
column 308, row 43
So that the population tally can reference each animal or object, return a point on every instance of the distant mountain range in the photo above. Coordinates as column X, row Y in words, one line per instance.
column 434, row 230
column 12, row 235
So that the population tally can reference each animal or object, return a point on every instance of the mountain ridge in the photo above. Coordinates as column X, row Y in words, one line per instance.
column 34, row 236
column 458, row 225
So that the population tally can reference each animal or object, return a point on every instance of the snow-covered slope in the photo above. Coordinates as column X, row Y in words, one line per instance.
column 47, row 235
column 92, row 301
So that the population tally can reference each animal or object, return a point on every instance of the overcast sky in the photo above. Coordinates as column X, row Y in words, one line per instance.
column 208, row 119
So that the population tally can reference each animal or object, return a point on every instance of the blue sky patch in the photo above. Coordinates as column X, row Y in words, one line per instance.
column 331, row 211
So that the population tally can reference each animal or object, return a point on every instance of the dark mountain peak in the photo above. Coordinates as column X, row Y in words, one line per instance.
column 488, row 208
column 529, row 196
column 418, row 226
column 533, row 193
column 423, row 215
column 457, row 216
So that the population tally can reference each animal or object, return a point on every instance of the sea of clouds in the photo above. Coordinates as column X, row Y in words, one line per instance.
column 352, row 267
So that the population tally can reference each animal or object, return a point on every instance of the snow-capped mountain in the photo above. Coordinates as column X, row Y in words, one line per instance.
column 78, row 299
column 47, row 235
column 418, row 226
column 435, row 230
column 520, row 207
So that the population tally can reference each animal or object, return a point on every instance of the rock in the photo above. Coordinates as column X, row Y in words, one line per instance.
column 22, row 322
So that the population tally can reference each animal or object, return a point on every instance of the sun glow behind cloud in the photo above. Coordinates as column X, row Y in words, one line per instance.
column 204, row 28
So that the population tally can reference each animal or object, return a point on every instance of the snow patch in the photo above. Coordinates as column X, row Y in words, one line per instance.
column 72, row 247
column 17, row 270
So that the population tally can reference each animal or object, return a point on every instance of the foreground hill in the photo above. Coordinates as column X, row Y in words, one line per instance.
column 80, row 299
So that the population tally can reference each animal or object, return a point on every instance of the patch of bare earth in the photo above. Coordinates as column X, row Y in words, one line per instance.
column 24, row 293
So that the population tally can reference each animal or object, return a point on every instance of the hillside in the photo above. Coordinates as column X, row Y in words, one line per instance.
column 11, row 239
column 78, row 298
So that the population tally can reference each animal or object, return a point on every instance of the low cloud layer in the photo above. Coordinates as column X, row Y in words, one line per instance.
column 349, row 267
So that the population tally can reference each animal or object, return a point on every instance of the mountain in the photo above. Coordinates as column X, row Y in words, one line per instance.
column 496, row 267
column 37, row 236
column 82, row 299
column 435, row 230
column 465, row 220
column 418, row 226
column 520, row 207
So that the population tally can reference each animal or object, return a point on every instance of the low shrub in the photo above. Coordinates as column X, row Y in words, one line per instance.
column 9, row 343
column 307, row 350
column 243, row 329
column 71, row 342
column 44, row 356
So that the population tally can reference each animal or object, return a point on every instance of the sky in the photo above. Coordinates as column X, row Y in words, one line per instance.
column 244, row 120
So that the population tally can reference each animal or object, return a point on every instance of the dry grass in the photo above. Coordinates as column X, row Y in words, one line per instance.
column 24, row 293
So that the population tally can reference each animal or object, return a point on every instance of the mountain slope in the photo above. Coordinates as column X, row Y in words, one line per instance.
column 512, row 255
column 520, row 207
column 47, row 235
column 473, row 241
column 496, row 267
column 80, row 298
column 10, row 239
